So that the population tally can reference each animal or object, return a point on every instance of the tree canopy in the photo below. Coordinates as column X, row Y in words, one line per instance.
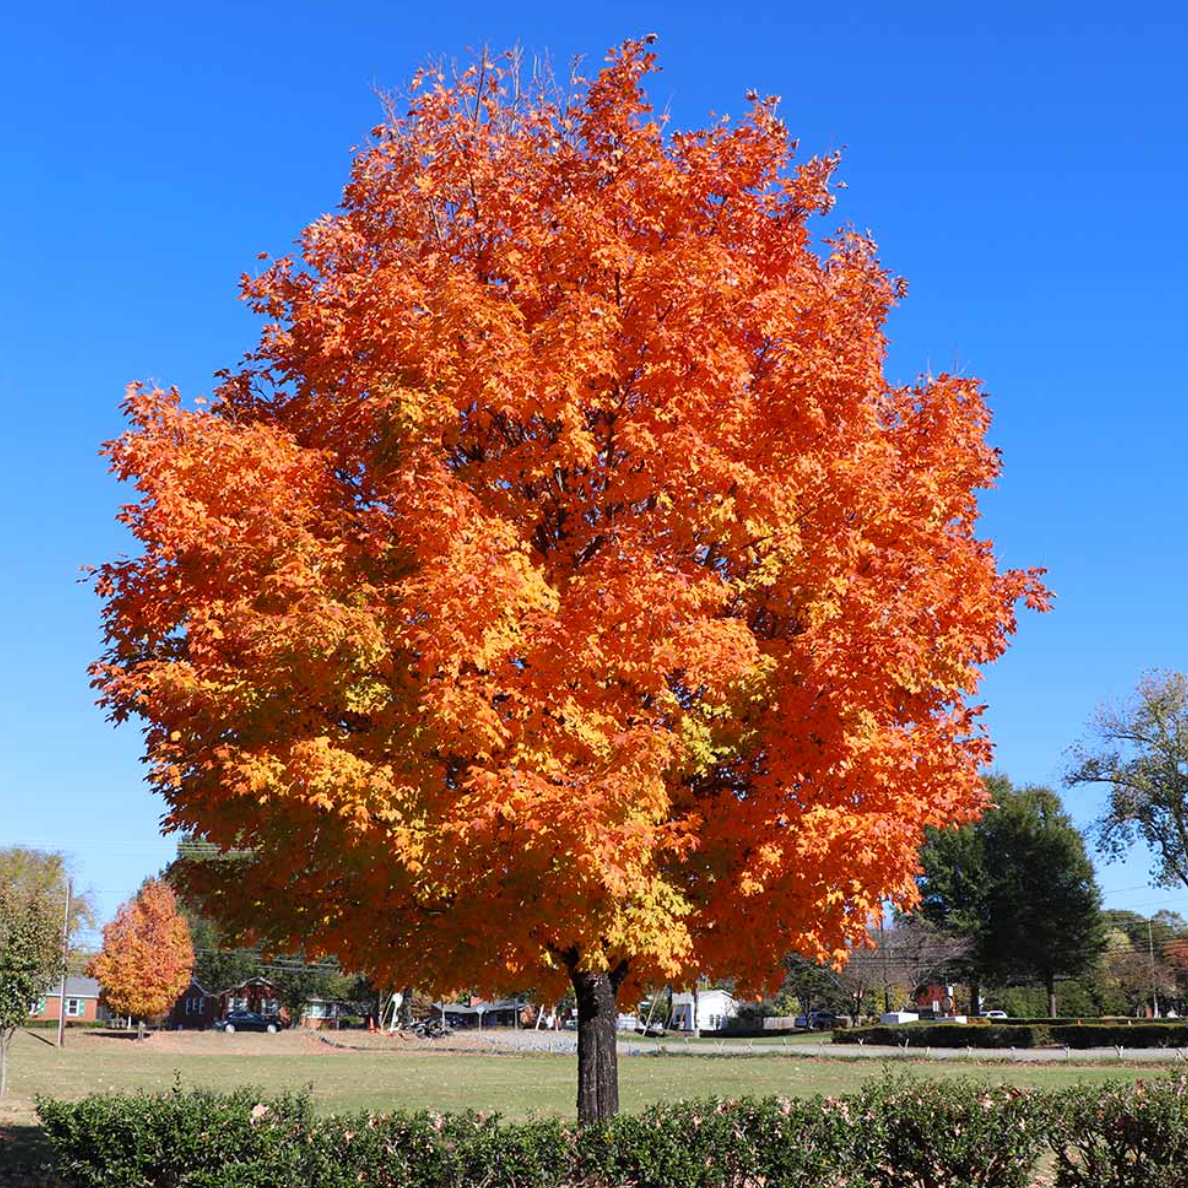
column 561, row 590
column 147, row 955
column 31, row 955
column 1019, row 885
column 1139, row 752
column 45, row 875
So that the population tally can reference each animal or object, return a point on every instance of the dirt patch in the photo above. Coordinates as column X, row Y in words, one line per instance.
column 217, row 1043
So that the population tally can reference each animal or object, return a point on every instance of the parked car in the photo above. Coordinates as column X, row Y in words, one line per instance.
column 994, row 1015
column 817, row 1021
column 246, row 1021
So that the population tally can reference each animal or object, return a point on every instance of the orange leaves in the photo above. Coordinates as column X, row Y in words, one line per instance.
column 147, row 957
column 561, row 571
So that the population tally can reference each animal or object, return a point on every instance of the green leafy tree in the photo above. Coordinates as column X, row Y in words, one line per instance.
column 30, row 959
column 297, row 982
column 45, row 875
column 1139, row 753
column 218, row 966
column 1020, row 887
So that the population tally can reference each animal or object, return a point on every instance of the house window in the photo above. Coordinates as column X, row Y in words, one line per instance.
column 75, row 1008
column 194, row 1005
column 239, row 1002
column 38, row 1008
column 318, row 1010
column 270, row 1006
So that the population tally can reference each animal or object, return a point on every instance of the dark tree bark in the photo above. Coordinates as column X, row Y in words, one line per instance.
column 598, row 1058
column 1050, row 982
column 975, row 997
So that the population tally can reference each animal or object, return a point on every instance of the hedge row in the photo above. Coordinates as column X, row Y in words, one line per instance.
column 895, row 1134
column 1022, row 1035
column 52, row 1024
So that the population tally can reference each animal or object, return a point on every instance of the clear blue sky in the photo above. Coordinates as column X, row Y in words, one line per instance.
column 1024, row 169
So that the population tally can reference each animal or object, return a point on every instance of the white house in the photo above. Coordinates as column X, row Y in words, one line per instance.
column 714, row 1008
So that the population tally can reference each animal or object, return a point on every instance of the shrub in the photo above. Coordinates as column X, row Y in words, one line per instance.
column 52, row 1024
column 946, row 1035
column 1020, row 1035
column 718, row 1143
column 932, row 1134
column 1128, row 1035
column 1122, row 1135
column 185, row 1137
column 901, row 1133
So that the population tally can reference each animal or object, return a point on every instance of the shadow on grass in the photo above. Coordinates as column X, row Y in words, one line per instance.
column 26, row 1158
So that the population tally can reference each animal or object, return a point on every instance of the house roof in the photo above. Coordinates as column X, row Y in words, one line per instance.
column 78, row 987
column 252, row 981
column 685, row 998
column 479, row 1008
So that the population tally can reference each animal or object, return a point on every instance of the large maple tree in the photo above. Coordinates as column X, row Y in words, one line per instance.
column 561, row 592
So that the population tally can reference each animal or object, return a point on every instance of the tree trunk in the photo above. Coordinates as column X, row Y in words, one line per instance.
column 1050, row 982
column 975, row 997
column 598, row 1060
column 5, row 1036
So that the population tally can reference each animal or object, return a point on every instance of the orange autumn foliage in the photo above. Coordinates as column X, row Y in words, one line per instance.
column 147, row 956
column 561, row 579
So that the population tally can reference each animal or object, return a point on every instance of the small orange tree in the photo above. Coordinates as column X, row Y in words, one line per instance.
column 560, row 592
column 147, row 957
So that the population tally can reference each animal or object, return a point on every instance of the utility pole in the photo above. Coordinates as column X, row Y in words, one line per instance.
column 65, row 954
column 1151, row 954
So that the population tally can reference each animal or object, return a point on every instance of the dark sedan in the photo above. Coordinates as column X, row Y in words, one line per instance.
column 247, row 1021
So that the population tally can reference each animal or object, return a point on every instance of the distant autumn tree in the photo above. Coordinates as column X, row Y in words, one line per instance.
column 561, row 593
column 147, row 957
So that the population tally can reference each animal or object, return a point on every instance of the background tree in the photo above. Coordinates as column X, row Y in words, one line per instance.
column 913, row 952
column 218, row 965
column 299, row 980
column 147, row 957
column 31, row 956
column 561, row 592
column 1019, row 885
column 893, row 962
column 814, row 985
column 44, row 875
column 1139, row 752
column 1143, row 958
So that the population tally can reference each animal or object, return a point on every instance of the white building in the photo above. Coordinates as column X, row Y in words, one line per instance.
column 714, row 1008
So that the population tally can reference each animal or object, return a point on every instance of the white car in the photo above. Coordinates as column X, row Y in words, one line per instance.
column 995, row 1015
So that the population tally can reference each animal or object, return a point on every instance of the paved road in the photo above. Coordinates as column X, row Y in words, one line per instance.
column 566, row 1043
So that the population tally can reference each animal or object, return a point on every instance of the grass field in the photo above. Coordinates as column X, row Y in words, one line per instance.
column 410, row 1076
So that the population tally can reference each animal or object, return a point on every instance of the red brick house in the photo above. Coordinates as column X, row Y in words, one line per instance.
column 197, row 1007
column 82, row 1003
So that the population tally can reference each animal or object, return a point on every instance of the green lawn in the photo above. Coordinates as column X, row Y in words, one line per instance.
column 393, row 1078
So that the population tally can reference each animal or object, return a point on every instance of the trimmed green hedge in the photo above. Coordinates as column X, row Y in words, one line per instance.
column 71, row 1024
column 898, row 1133
column 1022, row 1035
